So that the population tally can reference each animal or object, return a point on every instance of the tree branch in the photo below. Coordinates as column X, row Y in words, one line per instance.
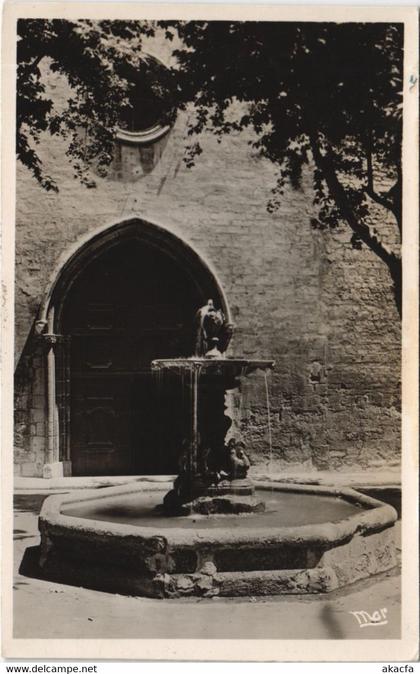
column 392, row 203
column 362, row 230
column 337, row 191
column 395, row 193
column 32, row 67
column 380, row 199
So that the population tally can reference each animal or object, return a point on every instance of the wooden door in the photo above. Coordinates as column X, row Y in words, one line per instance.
column 129, row 306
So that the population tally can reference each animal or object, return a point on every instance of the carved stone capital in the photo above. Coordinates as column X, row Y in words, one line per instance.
column 39, row 327
column 51, row 339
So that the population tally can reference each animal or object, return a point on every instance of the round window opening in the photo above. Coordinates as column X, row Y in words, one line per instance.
column 150, row 112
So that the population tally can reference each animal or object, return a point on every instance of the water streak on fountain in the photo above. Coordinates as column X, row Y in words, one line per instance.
column 270, row 439
column 195, row 372
column 241, row 402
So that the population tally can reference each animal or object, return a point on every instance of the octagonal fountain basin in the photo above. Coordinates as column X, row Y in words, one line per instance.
column 309, row 539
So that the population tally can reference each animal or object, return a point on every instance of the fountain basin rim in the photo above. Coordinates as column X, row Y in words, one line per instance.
column 376, row 516
column 193, row 362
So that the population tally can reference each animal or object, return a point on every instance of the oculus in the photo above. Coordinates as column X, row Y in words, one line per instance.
column 150, row 111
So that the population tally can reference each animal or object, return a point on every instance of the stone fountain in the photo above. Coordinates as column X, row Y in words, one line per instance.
column 214, row 532
column 213, row 473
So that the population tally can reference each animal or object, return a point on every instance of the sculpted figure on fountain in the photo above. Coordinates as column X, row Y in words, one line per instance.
column 212, row 332
column 238, row 461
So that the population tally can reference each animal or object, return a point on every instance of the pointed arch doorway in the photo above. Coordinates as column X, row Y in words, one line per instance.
column 126, row 297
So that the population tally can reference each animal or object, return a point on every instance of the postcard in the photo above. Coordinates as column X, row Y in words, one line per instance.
column 210, row 291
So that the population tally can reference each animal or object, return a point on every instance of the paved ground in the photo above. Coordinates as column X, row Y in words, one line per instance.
column 51, row 610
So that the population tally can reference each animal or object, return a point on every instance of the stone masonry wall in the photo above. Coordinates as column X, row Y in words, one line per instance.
column 323, row 311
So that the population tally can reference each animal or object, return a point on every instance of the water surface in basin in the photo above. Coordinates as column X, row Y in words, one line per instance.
column 283, row 509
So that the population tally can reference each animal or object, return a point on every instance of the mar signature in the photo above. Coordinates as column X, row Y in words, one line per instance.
column 374, row 619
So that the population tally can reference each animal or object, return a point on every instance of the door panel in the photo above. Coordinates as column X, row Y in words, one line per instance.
column 100, row 426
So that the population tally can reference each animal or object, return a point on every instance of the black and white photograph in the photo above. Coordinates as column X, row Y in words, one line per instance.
column 212, row 313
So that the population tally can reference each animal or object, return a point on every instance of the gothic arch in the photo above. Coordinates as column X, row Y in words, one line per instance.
column 75, row 259
column 49, row 323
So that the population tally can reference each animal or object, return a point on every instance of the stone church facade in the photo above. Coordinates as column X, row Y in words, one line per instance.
column 109, row 278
